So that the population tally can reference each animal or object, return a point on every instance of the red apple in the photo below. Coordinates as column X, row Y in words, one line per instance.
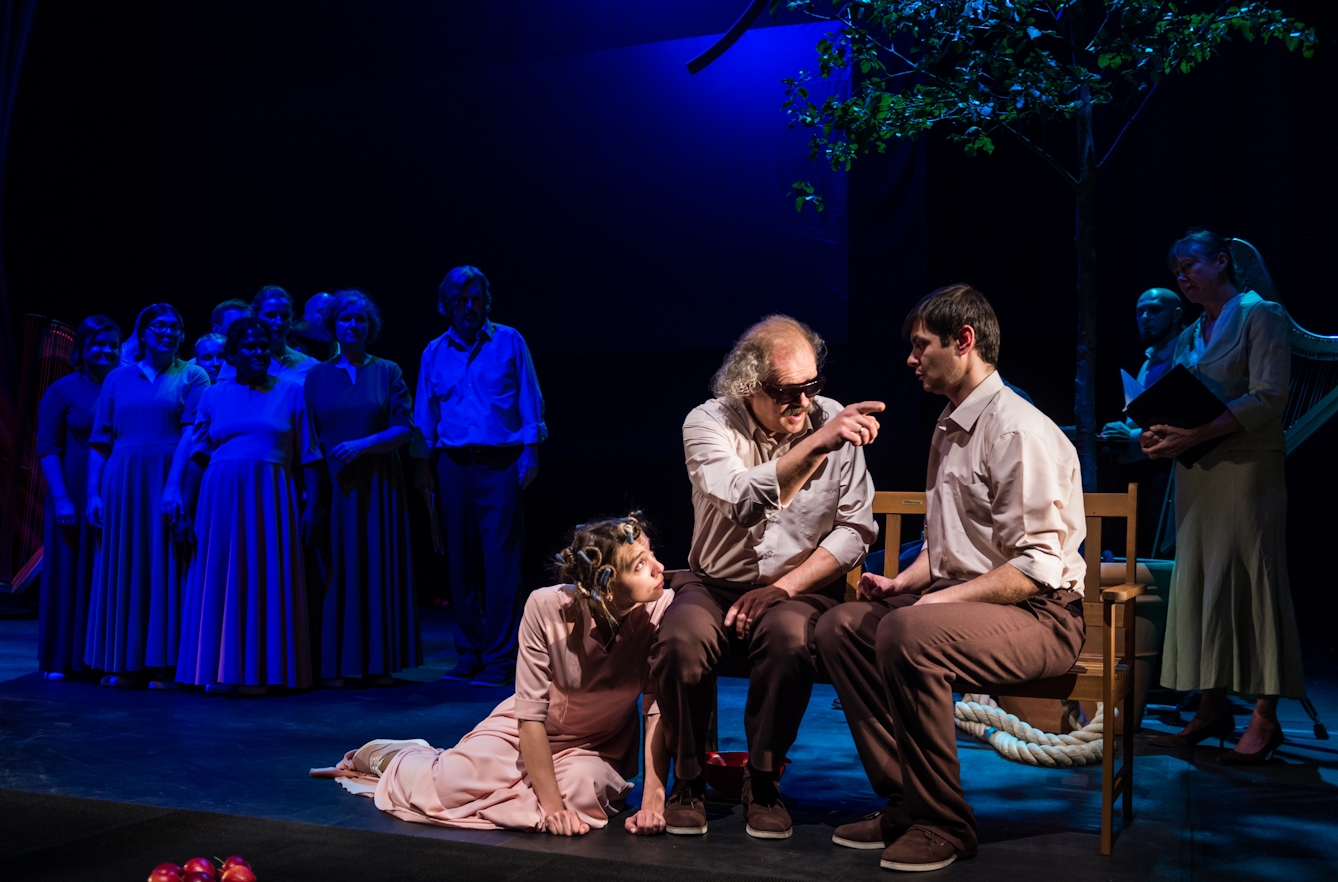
column 238, row 873
column 166, row 873
column 197, row 876
column 200, row 865
column 235, row 860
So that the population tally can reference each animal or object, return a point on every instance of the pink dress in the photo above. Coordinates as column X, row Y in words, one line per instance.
column 586, row 698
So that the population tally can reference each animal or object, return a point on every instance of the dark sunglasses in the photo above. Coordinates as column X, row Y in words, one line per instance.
column 791, row 392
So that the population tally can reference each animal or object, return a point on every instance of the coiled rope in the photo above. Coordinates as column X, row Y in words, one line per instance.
column 1017, row 740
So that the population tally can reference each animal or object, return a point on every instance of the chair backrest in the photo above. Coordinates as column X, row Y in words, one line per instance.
column 895, row 506
column 1109, row 505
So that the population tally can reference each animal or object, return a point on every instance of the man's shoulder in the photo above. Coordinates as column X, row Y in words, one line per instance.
column 716, row 413
column 1013, row 414
column 506, row 333
column 434, row 344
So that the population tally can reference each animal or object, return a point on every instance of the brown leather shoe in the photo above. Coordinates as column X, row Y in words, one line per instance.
column 766, row 814
column 877, row 830
column 918, row 850
column 685, row 809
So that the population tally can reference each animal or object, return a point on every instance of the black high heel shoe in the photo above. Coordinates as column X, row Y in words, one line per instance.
column 1259, row 757
column 1221, row 728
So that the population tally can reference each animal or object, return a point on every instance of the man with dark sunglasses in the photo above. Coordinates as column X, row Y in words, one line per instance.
column 784, row 508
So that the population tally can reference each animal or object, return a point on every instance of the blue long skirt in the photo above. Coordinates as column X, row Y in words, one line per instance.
column 245, row 618
column 134, row 618
column 367, row 619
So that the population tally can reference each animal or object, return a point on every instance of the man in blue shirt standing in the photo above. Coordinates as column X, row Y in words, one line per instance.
column 480, row 413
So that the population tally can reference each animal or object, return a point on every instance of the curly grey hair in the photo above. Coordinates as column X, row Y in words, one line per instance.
column 749, row 363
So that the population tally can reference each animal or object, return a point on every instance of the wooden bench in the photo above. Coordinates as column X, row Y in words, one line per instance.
column 1104, row 670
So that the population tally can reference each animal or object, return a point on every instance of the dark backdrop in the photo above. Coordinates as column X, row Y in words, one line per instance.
column 633, row 219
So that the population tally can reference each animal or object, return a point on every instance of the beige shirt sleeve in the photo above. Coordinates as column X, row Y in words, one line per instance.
column 742, row 493
column 1031, row 492
column 854, row 528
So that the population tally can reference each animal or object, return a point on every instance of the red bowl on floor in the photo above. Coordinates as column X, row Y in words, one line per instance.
column 725, row 772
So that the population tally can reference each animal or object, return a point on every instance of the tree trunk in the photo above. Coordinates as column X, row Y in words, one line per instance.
column 1084, row 388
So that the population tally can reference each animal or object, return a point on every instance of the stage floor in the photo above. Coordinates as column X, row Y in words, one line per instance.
column 248, row 758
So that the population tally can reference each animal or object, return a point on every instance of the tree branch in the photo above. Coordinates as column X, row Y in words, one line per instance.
column 1125, row 128
column 1049, row 160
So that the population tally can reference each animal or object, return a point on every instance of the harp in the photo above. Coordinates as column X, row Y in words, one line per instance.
column 47, row 347
column 1313, row 398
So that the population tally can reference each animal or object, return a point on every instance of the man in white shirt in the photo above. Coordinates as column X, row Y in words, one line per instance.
column 784, row 508
column 994, row 599
column 480, row 419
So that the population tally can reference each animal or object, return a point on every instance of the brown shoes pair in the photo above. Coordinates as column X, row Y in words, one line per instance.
column 906, row 846
column 685, row 809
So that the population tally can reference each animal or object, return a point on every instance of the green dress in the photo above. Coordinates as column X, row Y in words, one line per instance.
column 1230, row 621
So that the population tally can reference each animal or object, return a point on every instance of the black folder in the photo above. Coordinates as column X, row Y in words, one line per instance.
column 1178, row 399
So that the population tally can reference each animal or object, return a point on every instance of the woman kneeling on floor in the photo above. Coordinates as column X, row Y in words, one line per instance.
column 555, row 757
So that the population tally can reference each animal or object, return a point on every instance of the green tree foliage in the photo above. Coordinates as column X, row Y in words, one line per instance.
column 981, row 68
column 984, row 69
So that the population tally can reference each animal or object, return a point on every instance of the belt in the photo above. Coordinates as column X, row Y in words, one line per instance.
column 483, row 452
column 483, row 449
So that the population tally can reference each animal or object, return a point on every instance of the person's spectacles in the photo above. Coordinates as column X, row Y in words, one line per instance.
column 163, row 329
column 791, row 392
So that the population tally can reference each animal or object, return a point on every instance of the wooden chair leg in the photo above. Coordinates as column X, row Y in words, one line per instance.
column 1130, row 709
column 1127, row 769
column 1108, row 734
column 713, row 727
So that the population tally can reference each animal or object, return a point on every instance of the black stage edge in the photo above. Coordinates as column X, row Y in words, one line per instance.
column 60, row 838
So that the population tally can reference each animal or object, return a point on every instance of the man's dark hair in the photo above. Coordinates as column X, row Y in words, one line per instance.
column 947, row 310
column 458, row 280
column 216, row 317
column 270, row 292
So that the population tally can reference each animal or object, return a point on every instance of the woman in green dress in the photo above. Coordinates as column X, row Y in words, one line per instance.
column 1230, row 624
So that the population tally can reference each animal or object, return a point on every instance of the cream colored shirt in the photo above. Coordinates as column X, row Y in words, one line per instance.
column 742, row 532
column 1004, row 487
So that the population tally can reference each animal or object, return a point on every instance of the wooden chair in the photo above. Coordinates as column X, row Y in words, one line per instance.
column 1104, row 670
